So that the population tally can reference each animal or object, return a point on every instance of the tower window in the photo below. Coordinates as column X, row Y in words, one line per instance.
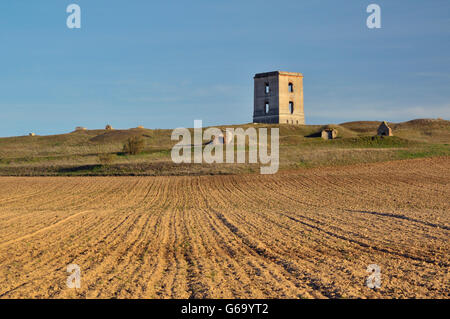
column 267, row 88
column 291, row 87
column 267, row 108
column 291, row 107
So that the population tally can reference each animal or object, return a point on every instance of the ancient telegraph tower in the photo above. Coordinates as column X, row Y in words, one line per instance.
column 278, row 98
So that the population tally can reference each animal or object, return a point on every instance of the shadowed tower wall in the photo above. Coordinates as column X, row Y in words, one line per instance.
column 278, row 98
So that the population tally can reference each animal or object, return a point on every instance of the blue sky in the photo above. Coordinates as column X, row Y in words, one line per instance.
column 163, row 64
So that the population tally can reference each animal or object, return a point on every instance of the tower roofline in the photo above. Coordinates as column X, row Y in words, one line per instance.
column 266, row 74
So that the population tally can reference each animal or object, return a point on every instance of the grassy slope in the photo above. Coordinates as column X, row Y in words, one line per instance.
column 76, row 153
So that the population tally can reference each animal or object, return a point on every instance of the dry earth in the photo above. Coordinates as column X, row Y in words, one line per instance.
column 303, row 234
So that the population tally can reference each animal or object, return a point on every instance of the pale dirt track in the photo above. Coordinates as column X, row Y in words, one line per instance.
column 304, row 234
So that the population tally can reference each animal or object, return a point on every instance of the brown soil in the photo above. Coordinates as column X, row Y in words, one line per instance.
column 300, row 234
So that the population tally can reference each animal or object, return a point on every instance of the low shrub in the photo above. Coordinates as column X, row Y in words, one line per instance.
column 134, row 145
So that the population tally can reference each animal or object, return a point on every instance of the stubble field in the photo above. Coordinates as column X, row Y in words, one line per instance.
column 297, row 234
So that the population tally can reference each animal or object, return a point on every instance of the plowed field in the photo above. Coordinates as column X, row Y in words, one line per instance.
column 301, row 234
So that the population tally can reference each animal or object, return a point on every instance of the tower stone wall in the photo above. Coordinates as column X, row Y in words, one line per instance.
column 278, row 98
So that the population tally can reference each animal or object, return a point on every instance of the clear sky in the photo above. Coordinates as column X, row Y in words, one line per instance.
column 163, row 64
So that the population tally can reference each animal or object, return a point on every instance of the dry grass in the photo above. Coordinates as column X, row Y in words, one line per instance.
column 77, row 153
column 299, row 234
column 420, row 130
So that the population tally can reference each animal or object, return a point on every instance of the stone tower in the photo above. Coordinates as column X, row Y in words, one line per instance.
column 278, row 98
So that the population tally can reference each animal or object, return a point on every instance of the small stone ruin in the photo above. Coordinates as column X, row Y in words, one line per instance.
column 384, row 130
column 329, row 134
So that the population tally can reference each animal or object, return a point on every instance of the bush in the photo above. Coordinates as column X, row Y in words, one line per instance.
column 105, row 159
column 134, row 145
